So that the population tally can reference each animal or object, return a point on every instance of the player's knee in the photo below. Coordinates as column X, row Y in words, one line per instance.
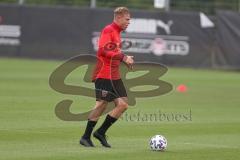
column 124, row 106
column 101, row 104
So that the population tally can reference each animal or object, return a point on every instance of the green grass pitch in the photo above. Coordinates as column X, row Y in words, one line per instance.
column 29, row 128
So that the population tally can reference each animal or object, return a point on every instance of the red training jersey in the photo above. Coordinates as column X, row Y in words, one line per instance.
column 109, row 59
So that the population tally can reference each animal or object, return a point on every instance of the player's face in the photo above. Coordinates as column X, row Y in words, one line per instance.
column 124, row 21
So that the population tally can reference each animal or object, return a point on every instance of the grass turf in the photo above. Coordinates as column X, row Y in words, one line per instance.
column 29, row 128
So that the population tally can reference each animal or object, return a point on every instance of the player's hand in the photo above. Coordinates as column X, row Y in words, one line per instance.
column 128, row 60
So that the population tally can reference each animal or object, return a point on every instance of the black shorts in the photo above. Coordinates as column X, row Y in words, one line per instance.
column 109, row 90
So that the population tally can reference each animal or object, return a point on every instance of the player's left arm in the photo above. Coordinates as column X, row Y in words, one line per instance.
column 108, row 48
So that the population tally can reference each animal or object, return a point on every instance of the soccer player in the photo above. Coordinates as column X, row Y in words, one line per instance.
column 108, row 84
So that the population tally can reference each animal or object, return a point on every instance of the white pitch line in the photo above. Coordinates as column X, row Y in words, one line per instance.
column 211, row 145
column 21, row 130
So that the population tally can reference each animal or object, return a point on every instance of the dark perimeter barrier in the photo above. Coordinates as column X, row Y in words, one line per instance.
column 188, row 39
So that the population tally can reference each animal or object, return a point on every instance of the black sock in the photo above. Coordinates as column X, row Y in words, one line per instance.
column 106, row 124
column 89, row 129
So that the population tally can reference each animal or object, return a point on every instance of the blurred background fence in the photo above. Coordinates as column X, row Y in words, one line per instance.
column 190, row 33
column 207, row 6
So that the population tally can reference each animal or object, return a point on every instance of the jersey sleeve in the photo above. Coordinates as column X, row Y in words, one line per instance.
column 105, row 43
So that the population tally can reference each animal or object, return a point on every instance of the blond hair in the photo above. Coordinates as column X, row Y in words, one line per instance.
column 121, row 11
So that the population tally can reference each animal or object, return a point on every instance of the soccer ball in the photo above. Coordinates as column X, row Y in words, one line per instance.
column 158, row 143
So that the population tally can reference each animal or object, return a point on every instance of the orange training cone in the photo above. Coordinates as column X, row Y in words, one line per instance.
column 182, row 88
